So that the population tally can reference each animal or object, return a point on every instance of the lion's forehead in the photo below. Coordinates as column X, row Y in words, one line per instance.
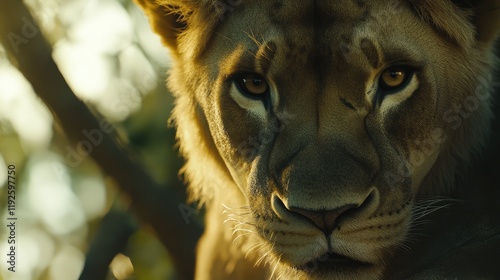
column 323, row 12
column 322, row 36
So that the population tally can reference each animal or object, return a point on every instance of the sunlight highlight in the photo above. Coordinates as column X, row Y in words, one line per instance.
column 27, row 114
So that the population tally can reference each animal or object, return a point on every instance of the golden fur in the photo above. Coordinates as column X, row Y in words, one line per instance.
column 328, row 162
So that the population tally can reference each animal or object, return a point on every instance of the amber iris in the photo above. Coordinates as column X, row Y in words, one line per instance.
column 253, row 84
column 393, row 78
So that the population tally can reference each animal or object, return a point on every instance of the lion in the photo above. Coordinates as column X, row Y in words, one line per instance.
column 349, row 139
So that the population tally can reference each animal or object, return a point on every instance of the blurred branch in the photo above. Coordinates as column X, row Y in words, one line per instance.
column 111, row 238
column 152, row 203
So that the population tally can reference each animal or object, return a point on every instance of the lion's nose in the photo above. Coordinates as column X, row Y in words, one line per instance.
column 325, row 220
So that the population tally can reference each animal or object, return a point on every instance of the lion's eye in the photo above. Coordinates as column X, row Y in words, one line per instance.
column 394, row 79
column 252, row 84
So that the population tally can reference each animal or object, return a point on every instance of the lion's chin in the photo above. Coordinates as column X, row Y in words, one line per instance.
column 334, row 266
column 332, row 262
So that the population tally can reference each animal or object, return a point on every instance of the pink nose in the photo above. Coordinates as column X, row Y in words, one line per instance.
column 325, row 220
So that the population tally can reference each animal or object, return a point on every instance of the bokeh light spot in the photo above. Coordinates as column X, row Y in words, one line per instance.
column 66, row 264
column 19, row 105
column 52, row 198
column 91, row 192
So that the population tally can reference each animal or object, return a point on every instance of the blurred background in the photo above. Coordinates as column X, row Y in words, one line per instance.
column 116, row 65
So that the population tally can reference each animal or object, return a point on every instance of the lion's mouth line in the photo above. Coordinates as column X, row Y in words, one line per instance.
column 331, row 261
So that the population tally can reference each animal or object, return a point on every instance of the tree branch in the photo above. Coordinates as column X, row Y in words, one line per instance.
column 111, row 238
column 155, row 205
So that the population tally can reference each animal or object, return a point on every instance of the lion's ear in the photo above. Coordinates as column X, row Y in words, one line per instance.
column 166, row 20
column 171, row 19
column 465, row 21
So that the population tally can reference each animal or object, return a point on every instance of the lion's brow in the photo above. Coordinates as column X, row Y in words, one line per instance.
column 265, row 56
column 371, row 52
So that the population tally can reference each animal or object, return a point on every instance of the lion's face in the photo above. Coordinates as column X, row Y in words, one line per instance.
column 327, row 117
